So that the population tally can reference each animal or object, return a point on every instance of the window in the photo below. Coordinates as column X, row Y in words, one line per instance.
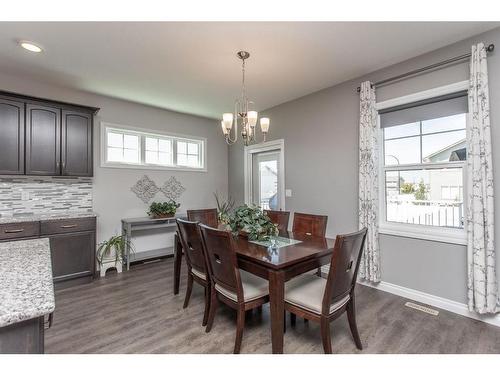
column 423, row 164
column 124, row 147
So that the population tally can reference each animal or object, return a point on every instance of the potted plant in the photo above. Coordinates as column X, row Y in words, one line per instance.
column 163, row 209
column 251, row 221
column 111, row 253
column 224, row 207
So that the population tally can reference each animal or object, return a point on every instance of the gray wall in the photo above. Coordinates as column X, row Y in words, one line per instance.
column 113, row 199
column 321, row 157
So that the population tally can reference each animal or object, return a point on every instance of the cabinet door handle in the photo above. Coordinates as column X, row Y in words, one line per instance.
column 14, row 230
column 69, row 226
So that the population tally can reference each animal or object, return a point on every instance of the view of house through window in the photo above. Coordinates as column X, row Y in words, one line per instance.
column 423, row 171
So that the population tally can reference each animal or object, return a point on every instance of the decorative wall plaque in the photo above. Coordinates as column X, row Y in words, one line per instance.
column 172, row 188
column 145, row 189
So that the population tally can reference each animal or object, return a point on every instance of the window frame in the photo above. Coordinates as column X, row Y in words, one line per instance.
column 419, row 231
column 143, row 133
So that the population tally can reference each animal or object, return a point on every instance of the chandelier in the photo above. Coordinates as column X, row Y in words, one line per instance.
column 242, row 115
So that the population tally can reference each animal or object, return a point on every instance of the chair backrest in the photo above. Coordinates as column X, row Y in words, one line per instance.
column 221, row 259
column 280, row 218
column 312, row 225
column 343, row 267
column 206, row 216
column 191, row 241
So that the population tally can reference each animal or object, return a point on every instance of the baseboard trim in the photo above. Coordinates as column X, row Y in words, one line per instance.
column 432, row 300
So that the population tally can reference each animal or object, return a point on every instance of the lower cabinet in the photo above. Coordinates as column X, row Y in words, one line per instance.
column 72, row 245
column 72, row 255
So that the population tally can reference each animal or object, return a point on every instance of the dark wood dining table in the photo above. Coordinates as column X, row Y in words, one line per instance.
column 276, row 265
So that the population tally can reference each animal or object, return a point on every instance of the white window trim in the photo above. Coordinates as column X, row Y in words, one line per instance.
column 276, row 145
column 419, row 231
column 152, row 133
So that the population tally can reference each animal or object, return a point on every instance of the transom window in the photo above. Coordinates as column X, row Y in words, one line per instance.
column 423, row 164
column 124, row 147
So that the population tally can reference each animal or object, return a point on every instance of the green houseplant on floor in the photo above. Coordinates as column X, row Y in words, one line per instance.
column 112, row 253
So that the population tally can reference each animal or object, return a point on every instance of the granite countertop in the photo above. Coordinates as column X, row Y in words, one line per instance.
column 46, row 216
column 26, row 287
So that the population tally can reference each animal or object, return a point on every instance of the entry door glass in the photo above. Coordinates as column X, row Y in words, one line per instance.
column 265, row 180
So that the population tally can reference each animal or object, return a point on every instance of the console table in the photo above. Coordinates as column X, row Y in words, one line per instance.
column 144, row 223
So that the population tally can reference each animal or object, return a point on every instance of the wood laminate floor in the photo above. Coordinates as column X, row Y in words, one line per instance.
column 137, row 312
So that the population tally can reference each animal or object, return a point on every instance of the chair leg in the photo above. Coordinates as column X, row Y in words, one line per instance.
column 325, row 336
column 351, row 316
column 188, row 290
column 293, row 319
column 207, row 305
column 213, row 308
column 240, row 324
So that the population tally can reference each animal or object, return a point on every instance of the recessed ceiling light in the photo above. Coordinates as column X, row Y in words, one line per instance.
column 30, row 46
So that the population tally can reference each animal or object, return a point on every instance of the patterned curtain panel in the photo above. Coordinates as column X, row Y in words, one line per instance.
column 368, row 183
column 482, row 281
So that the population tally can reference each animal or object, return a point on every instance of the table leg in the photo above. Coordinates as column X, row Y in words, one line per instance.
column 277, row 306
column 177, row 263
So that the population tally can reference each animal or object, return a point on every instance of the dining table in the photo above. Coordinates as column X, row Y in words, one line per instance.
column 295, row 254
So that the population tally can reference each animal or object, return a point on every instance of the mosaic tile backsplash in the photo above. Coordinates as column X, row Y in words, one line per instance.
column 36, row 195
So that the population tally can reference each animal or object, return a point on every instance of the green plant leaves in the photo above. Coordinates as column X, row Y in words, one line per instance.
column 163, row 208
column 254, row 221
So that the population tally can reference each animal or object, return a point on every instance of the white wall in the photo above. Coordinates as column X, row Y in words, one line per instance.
column 113, row 199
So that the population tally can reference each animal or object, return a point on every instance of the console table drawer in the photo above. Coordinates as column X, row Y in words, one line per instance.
column 19, row 230
column 68, row 225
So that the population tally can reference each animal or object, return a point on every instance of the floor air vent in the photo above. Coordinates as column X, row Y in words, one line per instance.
column 422, row 308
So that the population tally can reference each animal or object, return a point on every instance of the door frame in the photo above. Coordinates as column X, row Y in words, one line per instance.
column 276, row 145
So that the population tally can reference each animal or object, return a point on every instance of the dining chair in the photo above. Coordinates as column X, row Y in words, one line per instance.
column 280, row 218
column 324, row 300
column 236, row 288
column 207, row 216
column 312, row 225
column 191, row 241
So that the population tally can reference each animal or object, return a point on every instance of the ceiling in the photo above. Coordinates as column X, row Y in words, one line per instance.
column 192, row 67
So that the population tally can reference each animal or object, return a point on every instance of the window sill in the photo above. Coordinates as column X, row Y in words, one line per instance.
column 425, row 232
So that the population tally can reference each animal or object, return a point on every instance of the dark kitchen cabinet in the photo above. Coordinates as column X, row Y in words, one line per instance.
column 76, row 141
column 43, row 140
column 72, row 246
column 12, row 136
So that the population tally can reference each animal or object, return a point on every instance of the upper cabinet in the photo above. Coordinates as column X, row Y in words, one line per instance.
column 76, row 153
column 45, row 138
column 12, row 136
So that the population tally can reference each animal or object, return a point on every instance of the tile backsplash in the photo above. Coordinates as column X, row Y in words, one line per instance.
column 33, row 194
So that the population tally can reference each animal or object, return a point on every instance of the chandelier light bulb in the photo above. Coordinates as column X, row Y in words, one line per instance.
column 227, row 119
column 224, row 129
column 264, row 124
column 252, row 118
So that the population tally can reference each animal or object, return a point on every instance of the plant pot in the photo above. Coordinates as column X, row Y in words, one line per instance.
column 243, row 233
column 163, row 216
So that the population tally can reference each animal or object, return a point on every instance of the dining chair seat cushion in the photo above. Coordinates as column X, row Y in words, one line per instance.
column 306, row 291
column 253, row 287
column 199, row 273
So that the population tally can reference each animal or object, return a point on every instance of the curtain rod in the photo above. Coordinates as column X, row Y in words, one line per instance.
column 490, row 48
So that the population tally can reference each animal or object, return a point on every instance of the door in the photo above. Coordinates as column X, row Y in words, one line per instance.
column 43, row 140
column 12, row 137
column 76, row 145
column 265, row 180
